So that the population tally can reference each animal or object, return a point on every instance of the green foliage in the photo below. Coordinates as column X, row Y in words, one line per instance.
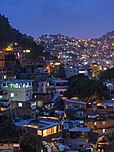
column 8, row 132
column 101, row 91
column 60, row 72
column 85, row 135
column 10, row 57
column 36, row 53
column 29, row 144
column 107, row 74
column 86, row 89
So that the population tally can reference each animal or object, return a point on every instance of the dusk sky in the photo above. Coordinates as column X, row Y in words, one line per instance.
column 78, row 18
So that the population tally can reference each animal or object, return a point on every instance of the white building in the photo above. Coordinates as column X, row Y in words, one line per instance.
column 18, row 91
column 111, row 89
column 58, row 86
column 71, row 104
column 42, row 87
column 71, row 71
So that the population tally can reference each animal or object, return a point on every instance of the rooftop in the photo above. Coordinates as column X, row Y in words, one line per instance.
column 17, row 81
column 42, row 124
column 76, row 101
column 79, row 129
column 57, row 80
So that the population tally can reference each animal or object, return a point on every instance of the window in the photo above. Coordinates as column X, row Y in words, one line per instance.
column 4, row 84
column 68, row 107
column 30, row 84
column 61, row 92
column 20, row 104
column 112, row 91
column 46, row 132
column 24, row 131
column 40, row 132
column 14, row 85
column 12, row 95
column 27, row 95
column 103, row 122
column 5, row 76
column 47, row 84
column 104, row 130
column 0, row 97
column 54, row 129
column 58, row 128
column 95, row 123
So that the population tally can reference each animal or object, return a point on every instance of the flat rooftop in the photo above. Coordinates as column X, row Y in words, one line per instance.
column 57, row 80
column 17, row 81
column 75, row 101
column 42, row 124
column 80, row 129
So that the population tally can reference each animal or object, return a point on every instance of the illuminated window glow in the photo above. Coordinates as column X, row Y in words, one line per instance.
column 54, row 129
column 47, row 132
column 40, row 132
column 20, row 104
column 12, row 95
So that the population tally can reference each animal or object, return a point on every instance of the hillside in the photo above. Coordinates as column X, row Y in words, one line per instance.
column 10, row 35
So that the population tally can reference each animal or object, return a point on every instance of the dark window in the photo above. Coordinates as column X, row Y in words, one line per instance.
column 61, row 92
column 112, row 92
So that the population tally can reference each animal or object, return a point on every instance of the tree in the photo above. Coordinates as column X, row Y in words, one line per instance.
column 86, row 89
column 36, row 53
column 29, row 144
column 10, row 57
column 107, row 74
column 8, row 131
column 60, row 72
column 10, row 35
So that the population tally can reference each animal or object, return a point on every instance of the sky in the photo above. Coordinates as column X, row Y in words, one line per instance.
column 77, row 18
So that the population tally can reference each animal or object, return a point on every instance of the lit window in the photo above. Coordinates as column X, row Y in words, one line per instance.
column 5, row 76
column 59, row 128
column 46, row 132
column 104, row 130
column 47, row 84
column 14, row 85
column 12, row 95
column 40, row 132
column 2, row 108
column 0, row 97
column 54, row 130
column 20, row 104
